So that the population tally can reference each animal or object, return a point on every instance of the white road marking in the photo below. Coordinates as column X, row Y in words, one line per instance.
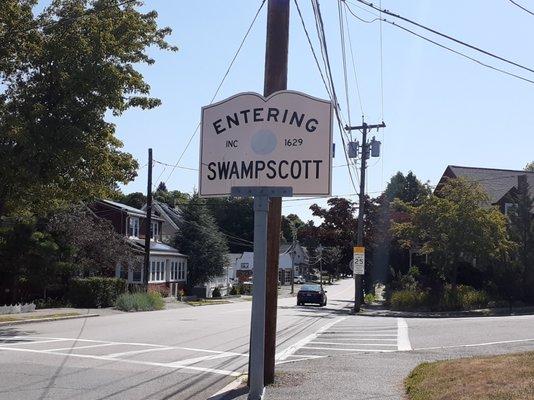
column 476, row 344
column 403, row 339
column 356, row 335
column 350, row 344
column 361, row 339
column 301, row 343
column 104, row 358
column 195, row 360
column 133, row 352
column 82, row 347
column 345, row 349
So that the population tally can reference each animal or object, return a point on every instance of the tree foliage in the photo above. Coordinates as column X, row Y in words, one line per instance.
column 529, row 167
column 455, row 226
column 290, row 226
column 60, row 72
column 235, row 216
column 200, row 239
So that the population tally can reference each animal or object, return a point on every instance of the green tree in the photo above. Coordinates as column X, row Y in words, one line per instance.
column 61, row 72
column 338, row 228
column 200, row 239
column 135, row 199
column 290, row 226
column 235, row 217
column 529, row 167
column 455, row 226
column 521, row 229
column 407, row 188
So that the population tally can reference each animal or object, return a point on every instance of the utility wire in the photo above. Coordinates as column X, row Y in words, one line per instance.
column 354, row 65
column 220, row 85
column 521, row 7
column 387, row 12
column 324, row 51
column 312, row 49
column 454, row 51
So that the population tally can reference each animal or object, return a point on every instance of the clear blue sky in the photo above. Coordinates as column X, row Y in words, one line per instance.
column 439, row 108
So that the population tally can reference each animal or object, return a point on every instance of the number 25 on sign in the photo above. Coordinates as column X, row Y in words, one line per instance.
column 359, row 260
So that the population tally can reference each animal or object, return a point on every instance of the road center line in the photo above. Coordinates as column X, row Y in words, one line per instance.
column 82, row 347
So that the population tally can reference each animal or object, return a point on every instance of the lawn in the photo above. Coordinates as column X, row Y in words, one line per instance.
column 507, row 377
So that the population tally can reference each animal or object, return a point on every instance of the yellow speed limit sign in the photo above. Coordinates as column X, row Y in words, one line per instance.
column 359, row 260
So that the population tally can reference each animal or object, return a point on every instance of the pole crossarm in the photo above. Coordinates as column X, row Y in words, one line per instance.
column 365, row 126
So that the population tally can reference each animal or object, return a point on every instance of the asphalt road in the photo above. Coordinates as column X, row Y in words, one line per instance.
column 185, row 353
column 191, row 353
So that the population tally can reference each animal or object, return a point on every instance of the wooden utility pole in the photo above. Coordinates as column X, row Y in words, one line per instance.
column 148, row 220
column 276, row 54
column 364, row 128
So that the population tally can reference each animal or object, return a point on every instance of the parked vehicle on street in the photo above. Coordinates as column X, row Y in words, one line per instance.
column 299, row 279
column 311, row 293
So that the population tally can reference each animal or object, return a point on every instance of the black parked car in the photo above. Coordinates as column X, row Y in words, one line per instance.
column 311, row 294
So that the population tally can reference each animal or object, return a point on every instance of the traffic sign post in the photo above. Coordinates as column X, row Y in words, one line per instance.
column 265, row 147
column 358, row 261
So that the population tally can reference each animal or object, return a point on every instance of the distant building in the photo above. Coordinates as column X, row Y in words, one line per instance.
column 167, row 266
column 291, row 256
column 500, row 185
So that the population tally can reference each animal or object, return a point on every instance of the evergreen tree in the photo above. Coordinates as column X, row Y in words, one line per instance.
column 200, row 239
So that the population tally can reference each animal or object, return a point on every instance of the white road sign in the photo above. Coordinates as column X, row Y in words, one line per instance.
column 359, row 261
column 284, row 140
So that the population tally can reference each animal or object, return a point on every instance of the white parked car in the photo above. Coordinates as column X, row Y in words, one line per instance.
column 299, row 279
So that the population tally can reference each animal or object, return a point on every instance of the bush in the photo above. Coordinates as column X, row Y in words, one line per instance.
column 409, row 299
column 234, row 291
column 216, row 293
column 369, row 298
column 95, row 291
column 140, row 301
column 463, row 298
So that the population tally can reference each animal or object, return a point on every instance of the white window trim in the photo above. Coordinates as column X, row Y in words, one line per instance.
column 157, row 274
column 135, row 228
column 154, row 231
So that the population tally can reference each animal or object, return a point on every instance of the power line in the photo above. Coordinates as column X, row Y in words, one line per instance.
column 454, row 51
column 312, row 49
column 324, row 51
column 220, row 84
column 354, row 65
column 521, row 7
column 446, row 36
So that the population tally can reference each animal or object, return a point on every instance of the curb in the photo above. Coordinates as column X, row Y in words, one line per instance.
column 30, row 321
column 239, row 384
column 496, row 312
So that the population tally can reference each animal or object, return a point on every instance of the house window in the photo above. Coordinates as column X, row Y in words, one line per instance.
column 181, row 271
column 157, row 271
column 137, row 274
column 244, row 265
column 174, row 270
column 133, row 227
column 154, row 232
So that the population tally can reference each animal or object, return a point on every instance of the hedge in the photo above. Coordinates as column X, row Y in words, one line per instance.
column 96, row 292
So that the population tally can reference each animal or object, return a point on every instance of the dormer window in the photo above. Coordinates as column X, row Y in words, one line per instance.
column 133, row 227
column 154, row 232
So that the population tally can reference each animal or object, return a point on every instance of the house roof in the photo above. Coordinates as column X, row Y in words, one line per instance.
column 171, row 215
column 496, row 182
column 157, row 247
column 128, row 209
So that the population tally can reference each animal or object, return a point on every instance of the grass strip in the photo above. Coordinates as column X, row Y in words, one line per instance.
column 11, row 317
column 506, row 377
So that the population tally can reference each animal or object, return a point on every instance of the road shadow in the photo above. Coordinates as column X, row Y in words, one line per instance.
column 325, row 312
column 231, row 394
column 7, row 333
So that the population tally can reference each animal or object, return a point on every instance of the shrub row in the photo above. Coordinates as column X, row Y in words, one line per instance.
column 463, row 298
column 95, row 291
column 140, row 301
